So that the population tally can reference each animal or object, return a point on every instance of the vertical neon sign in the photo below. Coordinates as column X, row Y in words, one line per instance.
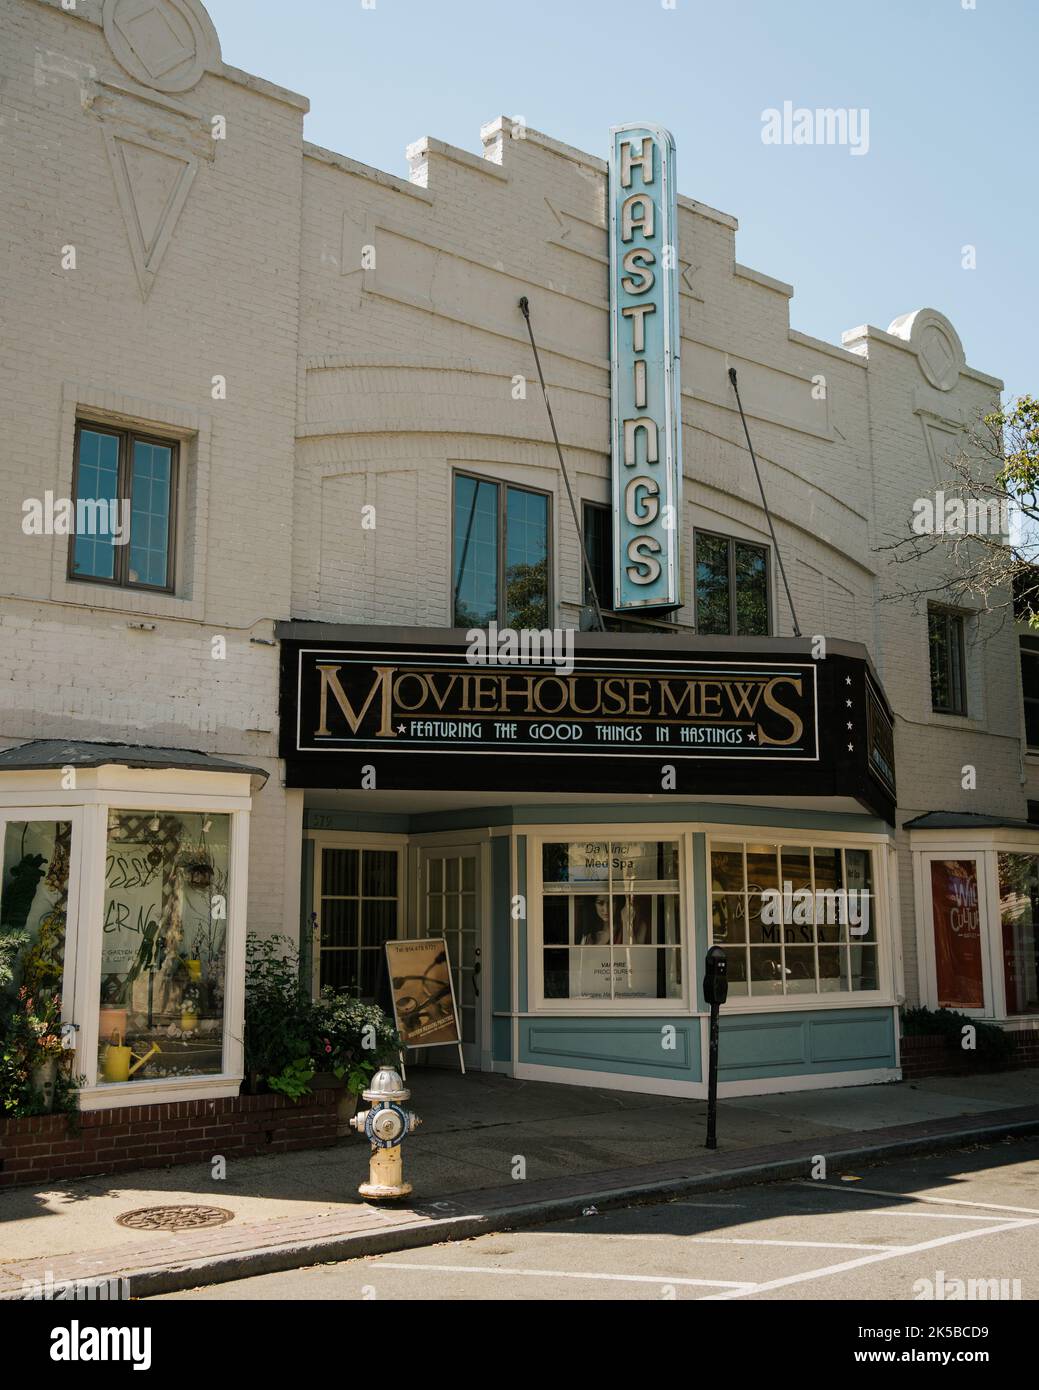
column 645, row 387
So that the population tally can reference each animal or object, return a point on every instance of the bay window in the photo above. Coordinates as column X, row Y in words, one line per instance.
column 130, row 908
column 164, row 945
column 794, row 919
column 611, row 920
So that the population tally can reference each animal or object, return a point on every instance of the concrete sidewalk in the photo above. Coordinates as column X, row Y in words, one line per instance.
column 491, row 1152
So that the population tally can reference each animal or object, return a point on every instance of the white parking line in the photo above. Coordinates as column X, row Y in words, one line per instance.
column 914, row 1197
column 934, row 1216
column 787, row 1244
column 897, row 1254
column 718, row 1240
column 565, row 1274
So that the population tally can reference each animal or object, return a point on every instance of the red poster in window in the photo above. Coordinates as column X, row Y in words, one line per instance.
column 957, row 933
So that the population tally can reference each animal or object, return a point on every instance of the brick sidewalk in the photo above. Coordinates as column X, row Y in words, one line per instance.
column 261, row 1247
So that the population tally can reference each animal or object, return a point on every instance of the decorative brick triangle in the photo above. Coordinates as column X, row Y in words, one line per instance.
column 152, row 183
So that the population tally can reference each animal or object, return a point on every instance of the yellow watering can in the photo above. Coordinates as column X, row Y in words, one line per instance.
column 116, row 1066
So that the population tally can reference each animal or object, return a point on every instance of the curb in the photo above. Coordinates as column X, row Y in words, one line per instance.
column 146, row 1282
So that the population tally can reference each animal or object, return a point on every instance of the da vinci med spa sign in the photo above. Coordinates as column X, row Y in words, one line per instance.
column 644, row 368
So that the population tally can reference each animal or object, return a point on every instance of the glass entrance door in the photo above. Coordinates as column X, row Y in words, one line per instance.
column 357, row 893
column 450, row 879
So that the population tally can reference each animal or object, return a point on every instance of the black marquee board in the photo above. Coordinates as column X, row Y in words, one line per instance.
column 739, row 722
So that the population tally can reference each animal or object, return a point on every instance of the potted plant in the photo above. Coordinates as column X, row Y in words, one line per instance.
column 189, row 1011
column 39, row 1024
column 197, row 862
column 352, row 1038
column 198, row 869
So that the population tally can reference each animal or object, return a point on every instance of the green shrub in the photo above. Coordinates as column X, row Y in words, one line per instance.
column 994, row 1045
column 289, row 1037
column 30, row 1034
column 279, row 1018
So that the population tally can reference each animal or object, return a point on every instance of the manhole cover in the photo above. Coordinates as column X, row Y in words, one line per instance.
column 189, row 1218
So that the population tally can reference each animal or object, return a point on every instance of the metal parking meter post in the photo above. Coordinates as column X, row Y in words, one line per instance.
column 716, row 991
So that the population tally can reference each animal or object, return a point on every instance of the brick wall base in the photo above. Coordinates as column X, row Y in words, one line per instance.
column 48, row 1147
column 936, row 1056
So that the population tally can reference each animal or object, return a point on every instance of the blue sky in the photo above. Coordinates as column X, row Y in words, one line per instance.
column 953, row 115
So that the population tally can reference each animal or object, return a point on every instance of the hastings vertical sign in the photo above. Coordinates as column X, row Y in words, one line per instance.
column 644, row 369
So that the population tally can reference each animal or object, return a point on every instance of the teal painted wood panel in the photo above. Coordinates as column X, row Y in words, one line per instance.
column 501, row 1001
column 631, row 1047
column 757, row 1046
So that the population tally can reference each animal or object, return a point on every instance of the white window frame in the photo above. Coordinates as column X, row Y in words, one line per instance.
column 881, row 997
column 33, row 795
column 985, row 848
column 563, row 834
column 13, row 815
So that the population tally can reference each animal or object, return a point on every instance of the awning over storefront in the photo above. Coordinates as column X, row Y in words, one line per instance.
column 966, row 820
column 53, row 752
column 609, row 713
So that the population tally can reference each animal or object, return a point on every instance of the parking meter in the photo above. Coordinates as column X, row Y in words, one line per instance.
column 716, row 976
column 716, row 991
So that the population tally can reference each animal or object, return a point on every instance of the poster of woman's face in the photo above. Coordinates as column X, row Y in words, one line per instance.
column 626, row 923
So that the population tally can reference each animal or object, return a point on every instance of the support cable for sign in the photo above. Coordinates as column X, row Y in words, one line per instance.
column 764, row 502
column 524, row 305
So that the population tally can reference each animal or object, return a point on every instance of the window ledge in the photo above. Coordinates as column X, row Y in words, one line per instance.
column 114, row 1095
column 676, row 1008
column 955, row 721
column 759, row 1003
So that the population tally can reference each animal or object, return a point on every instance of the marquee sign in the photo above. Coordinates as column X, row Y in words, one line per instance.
column 644, row 369
column 646, row 716
column 417, row 702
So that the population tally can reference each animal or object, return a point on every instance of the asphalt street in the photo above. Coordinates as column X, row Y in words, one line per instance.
column 899, row 1232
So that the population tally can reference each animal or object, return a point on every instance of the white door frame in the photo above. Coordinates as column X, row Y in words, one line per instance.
column 990, row 977
column 447, row 842
column 348, row 839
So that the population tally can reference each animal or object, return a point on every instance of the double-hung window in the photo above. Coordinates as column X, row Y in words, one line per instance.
column 1030, row 690
column 732, row 587
column 501, row 565
column 124, row 490
column 598, row 545
column 945, row 642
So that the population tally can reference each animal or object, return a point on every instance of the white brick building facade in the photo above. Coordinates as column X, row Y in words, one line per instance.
column 322, row 337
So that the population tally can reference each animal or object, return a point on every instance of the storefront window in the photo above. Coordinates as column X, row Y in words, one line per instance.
column 957, row 934
column 1019, row 918
column 611, row 920
column 794, row 919
column 163, row 957
column 34, row 895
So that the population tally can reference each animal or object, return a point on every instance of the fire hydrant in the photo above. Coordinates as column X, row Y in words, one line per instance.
column 386, row 1125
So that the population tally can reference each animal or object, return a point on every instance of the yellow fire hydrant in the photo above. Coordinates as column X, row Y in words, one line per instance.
column 386, row 1124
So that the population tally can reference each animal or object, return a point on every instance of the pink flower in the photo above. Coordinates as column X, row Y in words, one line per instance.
column 328, row 1047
